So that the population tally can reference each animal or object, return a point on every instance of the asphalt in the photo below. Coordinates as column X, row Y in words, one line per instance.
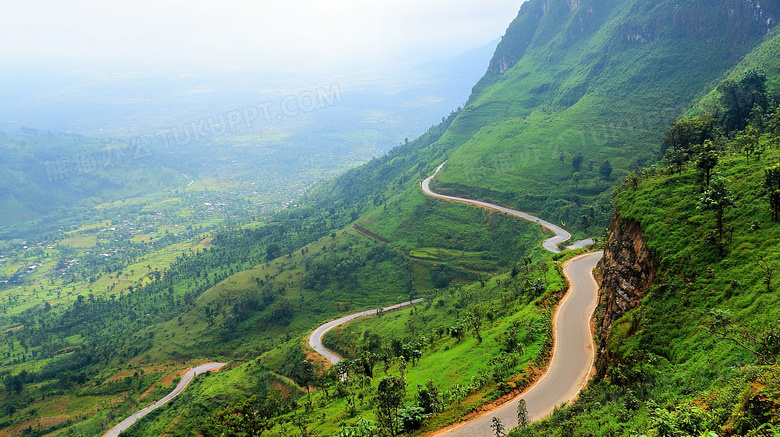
column 315, row 339
column 551, row 244
column 572, row 361
column 573, row 350
column 573, row 347
column 185, row 381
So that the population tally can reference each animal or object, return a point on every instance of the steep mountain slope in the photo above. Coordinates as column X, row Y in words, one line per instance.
column 599, row 78
column 596, row 79
column 689, row 340
column 41, row 171
column 687, row 323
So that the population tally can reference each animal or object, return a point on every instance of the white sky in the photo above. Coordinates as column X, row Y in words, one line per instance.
column 228, row 34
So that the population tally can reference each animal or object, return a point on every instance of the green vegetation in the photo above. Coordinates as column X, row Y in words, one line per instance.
column 119, row 278
column 240, row 293
column 596, row 82
column 699, row 355
column 485, row 339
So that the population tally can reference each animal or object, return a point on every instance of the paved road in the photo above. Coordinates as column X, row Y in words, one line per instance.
column 185, row 381
column 315, row 339
column 551, row 244
column 573, row 349
column 573, row 354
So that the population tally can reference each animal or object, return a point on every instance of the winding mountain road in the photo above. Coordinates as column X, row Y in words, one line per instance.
column 185, row 381
column 573, row 347
column 315, row 339
column 571, row 363
column 551, row 244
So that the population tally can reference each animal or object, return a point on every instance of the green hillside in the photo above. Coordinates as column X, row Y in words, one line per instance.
column 698, row 353
column 577, row 101
column 593, row 81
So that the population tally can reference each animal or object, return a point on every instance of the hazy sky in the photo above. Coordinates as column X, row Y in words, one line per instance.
column 278, row 35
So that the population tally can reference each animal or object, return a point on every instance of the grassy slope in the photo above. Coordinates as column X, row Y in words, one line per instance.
column 596, row 127
column 671, row 371
column 582, row 86
column 470, row 382
column 670, row 376
column 547, row 110
column 498, row 239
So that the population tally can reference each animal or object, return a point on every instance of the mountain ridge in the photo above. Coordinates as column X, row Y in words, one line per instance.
column 574, row 86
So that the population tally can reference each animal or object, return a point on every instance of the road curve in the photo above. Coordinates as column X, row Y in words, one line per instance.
column 551, row 244
column 573, row 347
column 315, row 339
column 185, row 381
column 571, row 363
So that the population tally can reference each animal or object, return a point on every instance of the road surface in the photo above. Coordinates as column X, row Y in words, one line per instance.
column 573, row 347
column 570, row 366
column 551, row 244
column 315, row 339
column 185, row 381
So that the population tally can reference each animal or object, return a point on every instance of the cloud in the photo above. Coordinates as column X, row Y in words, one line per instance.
column 235, row 33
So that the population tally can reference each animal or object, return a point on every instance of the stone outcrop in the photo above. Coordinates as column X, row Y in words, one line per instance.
column 625, row 274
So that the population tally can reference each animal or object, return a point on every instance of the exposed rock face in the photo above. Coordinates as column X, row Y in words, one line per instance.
column 518, row 37
column 723, row 22
column 731, row 21
column 626, row 272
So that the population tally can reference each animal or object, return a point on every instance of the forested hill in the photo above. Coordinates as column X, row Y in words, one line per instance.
column 689, row 341
column 578, row 95
column 578, row 98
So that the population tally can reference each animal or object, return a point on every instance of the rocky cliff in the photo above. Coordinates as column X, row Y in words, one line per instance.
column 626, row 272
column 734, row 22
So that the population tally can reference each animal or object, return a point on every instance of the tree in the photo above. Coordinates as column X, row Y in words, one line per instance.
column 305, row 373
column 576, row 162
column 522, row 414
column 15, row 383
column 684, row 135
column 576, row 178
column 738, row 98
column 749, row 142
column 774, row 122
column 367, row 361
column 717, row 198
column 456, row 331
column 412, row 417
column 474, row 322
column 677, row 158
column 390, row 396
column 428, row 398
column 707, row 160
column 772, row 189
column 272, row 251
column 585, row 222
column 282, row 312
column 605, row 169
column 247, row 418
column 497, row 427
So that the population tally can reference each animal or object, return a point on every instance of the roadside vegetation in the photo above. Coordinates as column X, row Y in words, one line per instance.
column 111, row 296
column 699, row 356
